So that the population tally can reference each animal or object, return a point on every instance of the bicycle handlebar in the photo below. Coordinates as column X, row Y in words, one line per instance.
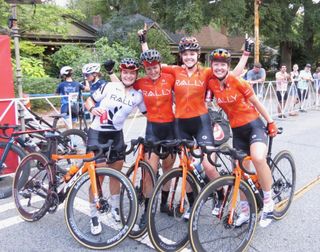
column 101, row 148
column 6, row 127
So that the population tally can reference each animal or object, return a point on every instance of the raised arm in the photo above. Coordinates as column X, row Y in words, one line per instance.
column 142, row 34
column 248, row 47
column 109, row 65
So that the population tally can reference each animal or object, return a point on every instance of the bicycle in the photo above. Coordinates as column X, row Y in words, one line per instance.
column 11, row 154
column 84, row 189
column 210, row 233
column 171, row 234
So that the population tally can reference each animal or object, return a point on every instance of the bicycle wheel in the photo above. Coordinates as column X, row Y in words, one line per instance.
column 79, row 209
column 144, row 169
column 167, row 228
column 210, row 232
column 283, row 171
column 31, row 194
column 13, row 158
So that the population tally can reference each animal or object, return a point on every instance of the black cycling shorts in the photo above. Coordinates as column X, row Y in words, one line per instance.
column 199, row 128
column 159, row 131
column 248, row 134
column 101, row 137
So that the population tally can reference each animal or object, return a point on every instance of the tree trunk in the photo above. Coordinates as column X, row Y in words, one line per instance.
column 308, row 30
column 286, row 54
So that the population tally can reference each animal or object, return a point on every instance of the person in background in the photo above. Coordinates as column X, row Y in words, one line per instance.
column 282, row 79
column 67, row 86
column 92, row 75
column 303, row 86
column 293, row 89
column 316, row 77
column 256, row 77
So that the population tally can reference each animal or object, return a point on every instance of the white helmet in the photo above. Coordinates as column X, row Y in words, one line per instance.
column 65, row 70
column 91, row 68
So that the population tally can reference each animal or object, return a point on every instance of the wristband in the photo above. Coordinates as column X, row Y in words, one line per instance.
column 110, row 72
column 245, row 53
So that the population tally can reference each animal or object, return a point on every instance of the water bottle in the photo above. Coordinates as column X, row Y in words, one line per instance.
column 104, row 118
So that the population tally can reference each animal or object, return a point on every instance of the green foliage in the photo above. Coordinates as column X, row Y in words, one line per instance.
column 4, row 13
column 31, row 67
column 27, row 48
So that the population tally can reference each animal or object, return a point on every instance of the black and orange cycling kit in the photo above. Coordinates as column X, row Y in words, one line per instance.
column 233, row 98
column 158, row 100
column 192, row 119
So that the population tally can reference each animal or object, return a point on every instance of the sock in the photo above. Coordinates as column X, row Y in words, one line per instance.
column 146, row 203
column 115, row 201
column 244, row 207
column 190, row 198
column 164, row 197
column 93, row 210
column 267, row 197
column 220, row 194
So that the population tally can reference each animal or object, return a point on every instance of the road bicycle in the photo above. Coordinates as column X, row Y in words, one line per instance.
column 220, row 232
column 170, row 233
column 84, row 189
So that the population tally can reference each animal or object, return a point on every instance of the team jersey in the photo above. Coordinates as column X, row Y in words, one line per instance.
column 67, row 87
column 157, row 97
column 189, row 90
column 96, row 85
column 233, row 99
column 118, row 103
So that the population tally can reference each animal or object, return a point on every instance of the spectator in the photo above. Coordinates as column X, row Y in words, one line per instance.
column 303, row 85
column 316, row 77
column 66, row 87
column 256, row 78
column 282, row 78
column 293, row 89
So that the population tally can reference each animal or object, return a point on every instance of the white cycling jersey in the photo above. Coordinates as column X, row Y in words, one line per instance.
column 118, row 103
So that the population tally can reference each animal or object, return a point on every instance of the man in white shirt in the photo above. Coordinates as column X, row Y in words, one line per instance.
column 303, row 85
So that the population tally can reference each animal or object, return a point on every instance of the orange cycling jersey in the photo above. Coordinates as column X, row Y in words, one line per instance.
column 189, row 90
column 233, row 99
column 157, row 96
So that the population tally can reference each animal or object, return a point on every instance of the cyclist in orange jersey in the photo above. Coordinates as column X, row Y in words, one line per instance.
column 192, row 118
column 156, row 88
column 236, row 97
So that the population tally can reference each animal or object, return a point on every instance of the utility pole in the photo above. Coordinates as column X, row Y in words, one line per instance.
column 256, row 31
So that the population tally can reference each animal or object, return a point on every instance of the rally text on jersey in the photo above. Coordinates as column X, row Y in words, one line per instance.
column 228, row 99
column 162, row 92
column 122, row 100
column 198, row 83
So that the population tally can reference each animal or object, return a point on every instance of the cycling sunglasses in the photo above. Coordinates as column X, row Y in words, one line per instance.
column 128, row 66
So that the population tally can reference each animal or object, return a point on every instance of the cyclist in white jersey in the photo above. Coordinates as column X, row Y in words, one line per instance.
column 116, row 101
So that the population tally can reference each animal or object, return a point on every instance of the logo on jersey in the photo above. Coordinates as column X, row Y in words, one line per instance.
column 204, row 137
column 196, row 83
column 218, row 133
column 122, row 100
column 162, row 92
column 228, row 99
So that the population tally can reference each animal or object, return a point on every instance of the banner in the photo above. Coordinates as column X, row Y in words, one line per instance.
column 6, row 92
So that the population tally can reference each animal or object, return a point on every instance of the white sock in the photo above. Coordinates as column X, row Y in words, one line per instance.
column 115, row 201
column 93, row 210
column 244, row 207
column 267, row 197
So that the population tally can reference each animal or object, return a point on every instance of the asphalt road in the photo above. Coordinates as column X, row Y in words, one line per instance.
column 298, row 231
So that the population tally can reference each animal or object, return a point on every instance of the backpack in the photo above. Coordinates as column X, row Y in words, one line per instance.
column 221, row 127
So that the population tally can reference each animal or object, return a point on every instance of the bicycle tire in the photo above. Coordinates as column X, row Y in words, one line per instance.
column 77, row 204
column 282, row 183
column 6, row 181
column 137, row 232
column 31, row 195
column 67, row 134
column 164, row 241
column 198, row 220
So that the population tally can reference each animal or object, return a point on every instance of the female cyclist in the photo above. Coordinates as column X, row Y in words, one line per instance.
column 92, row 75
column 236, row 97
column 116, row 101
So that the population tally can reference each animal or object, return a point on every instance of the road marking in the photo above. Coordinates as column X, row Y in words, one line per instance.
column 306, row 188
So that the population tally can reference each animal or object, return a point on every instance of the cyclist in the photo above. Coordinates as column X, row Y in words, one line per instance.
column 117, row 100
column 92, row 75
column 66, row 87
column 236, row 97
column 192, row 119
column 157, row 90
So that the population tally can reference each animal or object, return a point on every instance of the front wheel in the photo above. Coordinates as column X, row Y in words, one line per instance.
column 211, row 231
column 9, row 165
column 143, row 172
column 283, row 171
column 79, row 210
column 167, row 224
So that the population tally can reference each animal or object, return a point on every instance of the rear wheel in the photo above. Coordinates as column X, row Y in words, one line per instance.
column 8, row 167
column 31, row 195
column 144, row 169
column 79, row 210
column 283, row 171
column 167, row 227
column 211, row 232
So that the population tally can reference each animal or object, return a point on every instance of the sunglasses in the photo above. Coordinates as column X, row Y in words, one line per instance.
column 221, row 54
column 128, row 66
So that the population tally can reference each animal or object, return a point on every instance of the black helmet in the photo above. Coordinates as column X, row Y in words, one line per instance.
column 150, row 57
column 130, row 64
column 189, row 43
column 220, row 55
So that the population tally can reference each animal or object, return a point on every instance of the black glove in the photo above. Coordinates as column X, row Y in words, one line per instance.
column 143, row 37
column 108, row 65
column 248, row 45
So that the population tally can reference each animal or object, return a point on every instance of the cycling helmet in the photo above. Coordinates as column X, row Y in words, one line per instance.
column 65, row 70
column 129, row 63
column 150, row 57
column 189, row 43
column 220, row 55
column 91, row 68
